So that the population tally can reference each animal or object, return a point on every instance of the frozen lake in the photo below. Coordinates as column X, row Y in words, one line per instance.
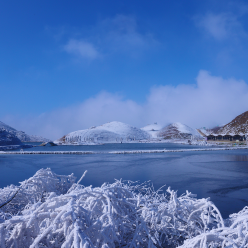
column 220, row 175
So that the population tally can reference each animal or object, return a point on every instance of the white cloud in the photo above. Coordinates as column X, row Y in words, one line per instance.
column 82, row 49
column 210, row 101
column 122, row 34
column 118, row 35
column 221, row 26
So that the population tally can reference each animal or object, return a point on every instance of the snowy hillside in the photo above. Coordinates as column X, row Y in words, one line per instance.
column 112, row 132
column 22, row 135
column 152, row 129
column 178, row 131
column 204, row 132
column 8, row 138
column 239, row 125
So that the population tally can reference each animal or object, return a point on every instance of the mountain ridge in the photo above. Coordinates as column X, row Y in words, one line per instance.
column 238, row 126
column 22, row 135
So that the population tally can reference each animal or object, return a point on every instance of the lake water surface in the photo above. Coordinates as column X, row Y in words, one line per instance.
column 220, row 175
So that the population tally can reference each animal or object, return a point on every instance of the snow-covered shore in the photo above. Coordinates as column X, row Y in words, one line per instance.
column 123, row 152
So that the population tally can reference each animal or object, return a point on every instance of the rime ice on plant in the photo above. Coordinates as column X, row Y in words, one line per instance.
column 57, row 212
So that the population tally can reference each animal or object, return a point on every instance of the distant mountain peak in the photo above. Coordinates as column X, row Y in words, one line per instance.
column 178, row 130
column 239, row 125
column 8, row 138
column 111, row 132
column 22, row 135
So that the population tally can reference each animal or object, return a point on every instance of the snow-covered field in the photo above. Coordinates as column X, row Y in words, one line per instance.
column 50, row 210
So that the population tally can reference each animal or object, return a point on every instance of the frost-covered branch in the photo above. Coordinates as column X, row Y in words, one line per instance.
column 122, row 214
column 13, row 199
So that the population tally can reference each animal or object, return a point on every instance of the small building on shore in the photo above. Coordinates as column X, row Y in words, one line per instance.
column 225, row 137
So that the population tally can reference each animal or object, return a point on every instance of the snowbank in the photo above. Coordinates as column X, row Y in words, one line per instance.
column 55, row 212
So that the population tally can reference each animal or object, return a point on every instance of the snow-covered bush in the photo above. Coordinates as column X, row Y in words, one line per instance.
column 234, row 234
column 122, row 214
column 13, row 198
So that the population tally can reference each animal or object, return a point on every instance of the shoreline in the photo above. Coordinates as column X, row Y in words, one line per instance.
column 117, row 152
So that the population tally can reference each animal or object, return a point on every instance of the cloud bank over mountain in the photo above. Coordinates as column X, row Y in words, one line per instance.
column 210, row 101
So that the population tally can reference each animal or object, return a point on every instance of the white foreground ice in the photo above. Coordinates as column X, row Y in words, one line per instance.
column 50, row 210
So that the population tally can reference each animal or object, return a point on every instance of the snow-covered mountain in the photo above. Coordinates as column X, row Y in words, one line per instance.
column 152, row 129
column 22, row 135
column 238, row 125
column 8, row 138
column 112, row 132
column 178, row 131
column 203, row 131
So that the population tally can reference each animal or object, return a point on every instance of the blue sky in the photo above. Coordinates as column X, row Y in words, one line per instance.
column 56, row 57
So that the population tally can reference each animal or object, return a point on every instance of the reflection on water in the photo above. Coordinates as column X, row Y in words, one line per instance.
column 229, row 189
column 220, row 175
column 240, row 157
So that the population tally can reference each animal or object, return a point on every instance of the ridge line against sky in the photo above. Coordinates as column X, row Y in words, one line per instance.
column 67, row 66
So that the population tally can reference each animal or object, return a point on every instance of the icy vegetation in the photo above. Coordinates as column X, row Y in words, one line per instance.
column 22, row 135
column 13, row 199
column 49, row 210
column 112, row 132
